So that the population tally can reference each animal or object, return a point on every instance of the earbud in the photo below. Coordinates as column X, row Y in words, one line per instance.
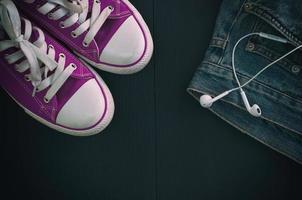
column 206, row 100
column 255, row 110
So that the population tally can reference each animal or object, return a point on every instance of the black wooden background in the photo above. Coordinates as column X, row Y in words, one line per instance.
column 161, row 144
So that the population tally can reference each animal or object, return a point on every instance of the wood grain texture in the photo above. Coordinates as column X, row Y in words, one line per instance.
column 161, row 144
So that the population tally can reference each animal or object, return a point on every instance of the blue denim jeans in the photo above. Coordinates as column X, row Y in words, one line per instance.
column 278, row 91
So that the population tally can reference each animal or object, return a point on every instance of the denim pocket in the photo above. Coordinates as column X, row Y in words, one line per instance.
column 283, row 15
column 273, row 17
column 269, row 19
column 273, row 50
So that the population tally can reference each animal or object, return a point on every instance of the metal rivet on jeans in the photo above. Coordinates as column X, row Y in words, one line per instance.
column 251, row 46
column 247, row 6
column 296, row 69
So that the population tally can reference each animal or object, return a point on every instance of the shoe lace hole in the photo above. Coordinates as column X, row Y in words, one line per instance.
column 85, row 44
column 50, row 15
column 73, row 34
column 111, row 8
column 26, row 78
column 62, row 25
column 73, row 66
column 46, row 100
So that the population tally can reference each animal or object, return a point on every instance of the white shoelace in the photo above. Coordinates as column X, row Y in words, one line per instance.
column 77, row 12
column 34, row 55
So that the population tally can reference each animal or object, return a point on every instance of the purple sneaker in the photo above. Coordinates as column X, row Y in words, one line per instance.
column 109, row 34
column 49, row 82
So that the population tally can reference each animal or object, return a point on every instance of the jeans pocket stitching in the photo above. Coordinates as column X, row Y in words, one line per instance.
column 272, row 55
column 263, row 13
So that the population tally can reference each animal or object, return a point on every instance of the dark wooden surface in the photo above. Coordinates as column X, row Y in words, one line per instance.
column 161, row 144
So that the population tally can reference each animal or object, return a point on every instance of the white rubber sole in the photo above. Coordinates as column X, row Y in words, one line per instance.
column 143, row 61
column 96, row 129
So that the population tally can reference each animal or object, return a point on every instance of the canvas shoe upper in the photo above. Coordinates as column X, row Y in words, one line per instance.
column 109, row 34
column 47, row 81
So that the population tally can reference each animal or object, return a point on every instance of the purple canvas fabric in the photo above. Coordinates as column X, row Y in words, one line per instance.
column 21, row 90
column 119, row 15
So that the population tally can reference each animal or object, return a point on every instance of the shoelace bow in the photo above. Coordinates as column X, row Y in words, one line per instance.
column 77, row 12
column 35, row 53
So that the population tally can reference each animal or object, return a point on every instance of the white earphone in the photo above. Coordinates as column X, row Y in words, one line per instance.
column 254, row 110
column 207, row 101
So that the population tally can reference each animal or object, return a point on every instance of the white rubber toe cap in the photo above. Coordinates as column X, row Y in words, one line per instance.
column 84, row 109
column 126, row 46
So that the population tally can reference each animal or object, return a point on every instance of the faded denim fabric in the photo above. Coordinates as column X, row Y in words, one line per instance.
column 278, row 91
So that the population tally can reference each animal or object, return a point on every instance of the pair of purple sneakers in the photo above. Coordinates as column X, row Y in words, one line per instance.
column 53, row 84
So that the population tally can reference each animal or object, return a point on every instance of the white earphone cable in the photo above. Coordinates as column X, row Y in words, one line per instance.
column 261, row 71
column 233, row 57
column 207, row 101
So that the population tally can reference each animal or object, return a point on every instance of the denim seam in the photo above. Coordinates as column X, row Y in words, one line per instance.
column 240, row 75
column 211, row 92
column 218, row 42
column 254, row 137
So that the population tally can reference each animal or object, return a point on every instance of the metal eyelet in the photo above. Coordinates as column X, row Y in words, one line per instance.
column 26, row 78
column 46, row 100
column 50, row 15
column 62, row 55
column 73, row 66
column 62, row 25
column 85, row 44
column 73, row 34
column 111, row 8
